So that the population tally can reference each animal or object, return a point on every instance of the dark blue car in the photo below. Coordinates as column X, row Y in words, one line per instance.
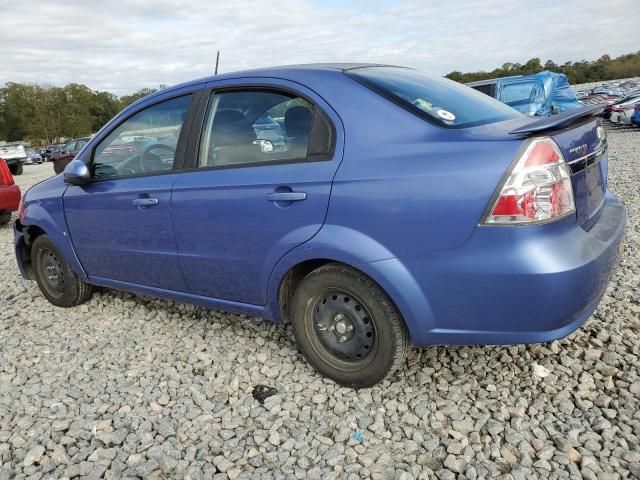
column 383, row 208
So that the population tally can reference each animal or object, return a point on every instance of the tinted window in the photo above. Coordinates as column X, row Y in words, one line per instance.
column 436, row 99
column 489, row 89
column 144, row 143
column 255, row 126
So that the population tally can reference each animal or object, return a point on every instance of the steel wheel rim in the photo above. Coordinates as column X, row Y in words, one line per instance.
column 342, row 329
column 51, row 273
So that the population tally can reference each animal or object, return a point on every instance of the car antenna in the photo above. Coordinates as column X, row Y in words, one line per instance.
column 217, row 61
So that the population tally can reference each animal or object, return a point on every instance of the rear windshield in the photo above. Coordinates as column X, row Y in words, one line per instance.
column 438, row 100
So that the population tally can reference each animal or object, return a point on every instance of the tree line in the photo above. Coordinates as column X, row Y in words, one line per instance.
column 584, row 71
column 45, row 114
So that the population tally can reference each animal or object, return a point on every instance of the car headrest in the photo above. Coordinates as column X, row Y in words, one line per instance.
column 230, row 128
column 297, row 121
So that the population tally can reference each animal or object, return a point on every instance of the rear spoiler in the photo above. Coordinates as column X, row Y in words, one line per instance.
column 559, row 121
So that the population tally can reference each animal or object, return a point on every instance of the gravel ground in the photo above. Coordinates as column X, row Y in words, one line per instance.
column 126, row 386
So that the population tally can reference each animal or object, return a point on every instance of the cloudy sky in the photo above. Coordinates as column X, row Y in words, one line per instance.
column 124, row 45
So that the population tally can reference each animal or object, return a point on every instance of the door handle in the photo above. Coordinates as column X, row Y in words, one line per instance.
column 145, row 202
column 286, row 196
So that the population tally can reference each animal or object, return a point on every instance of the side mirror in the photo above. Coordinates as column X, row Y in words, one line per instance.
column 76, row 173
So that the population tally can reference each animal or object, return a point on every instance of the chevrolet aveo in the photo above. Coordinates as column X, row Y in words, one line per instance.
column 373, row 207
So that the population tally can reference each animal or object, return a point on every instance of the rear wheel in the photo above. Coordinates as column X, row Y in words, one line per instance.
column 347, row 327
column 5, row 218
column 57, row 281
column 16, row 169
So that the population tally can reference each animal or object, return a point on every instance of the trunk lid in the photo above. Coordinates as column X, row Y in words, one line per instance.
column 584, row 147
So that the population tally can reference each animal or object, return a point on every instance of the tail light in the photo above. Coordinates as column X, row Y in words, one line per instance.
column 5, row 175
column 538, row 189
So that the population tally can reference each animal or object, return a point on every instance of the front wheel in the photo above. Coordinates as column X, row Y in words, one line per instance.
column 347, row 327
column 5, row 218
column 56, row 279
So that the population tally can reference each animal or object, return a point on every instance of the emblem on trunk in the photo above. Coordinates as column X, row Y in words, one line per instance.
column 579, row 150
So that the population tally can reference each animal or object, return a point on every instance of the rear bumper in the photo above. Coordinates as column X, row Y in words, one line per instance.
column 9, row 198
column 14, row 161
column 508, row 285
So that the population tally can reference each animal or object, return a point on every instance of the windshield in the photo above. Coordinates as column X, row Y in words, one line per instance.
column 435, row 99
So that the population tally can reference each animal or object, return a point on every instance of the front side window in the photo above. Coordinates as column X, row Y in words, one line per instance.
column 438, row 100
column 255, row 127
column 145, row 143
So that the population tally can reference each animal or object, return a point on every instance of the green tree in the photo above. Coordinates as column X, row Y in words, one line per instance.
column 604, row 68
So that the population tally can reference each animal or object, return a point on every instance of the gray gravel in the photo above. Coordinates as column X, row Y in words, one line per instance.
column 127, row 386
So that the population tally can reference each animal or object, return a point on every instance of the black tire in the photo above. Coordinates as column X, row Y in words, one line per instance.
column 377, row 343
column 16, row 169
column 5, row 218
column 57, row 281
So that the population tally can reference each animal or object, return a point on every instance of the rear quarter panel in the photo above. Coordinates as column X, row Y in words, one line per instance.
column 408, row 185
column 405, row 187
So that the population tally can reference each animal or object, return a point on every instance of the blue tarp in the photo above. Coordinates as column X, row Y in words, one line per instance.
column 542, row 94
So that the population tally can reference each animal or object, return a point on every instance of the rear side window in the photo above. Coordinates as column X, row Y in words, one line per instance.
column 438, row 100
column 255, row 127
column 522, row 92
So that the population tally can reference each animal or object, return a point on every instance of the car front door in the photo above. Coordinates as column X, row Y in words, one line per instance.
column 120, row 221
column 258, row 185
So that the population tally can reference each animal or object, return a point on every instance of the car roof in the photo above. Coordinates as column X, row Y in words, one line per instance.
column 290, row 72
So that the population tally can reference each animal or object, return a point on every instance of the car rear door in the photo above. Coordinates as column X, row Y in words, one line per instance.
column 256, row 185
column 120, row 222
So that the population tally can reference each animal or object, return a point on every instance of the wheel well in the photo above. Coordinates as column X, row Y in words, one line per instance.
column 30, row 234
column 291, row 281
column 295, row 275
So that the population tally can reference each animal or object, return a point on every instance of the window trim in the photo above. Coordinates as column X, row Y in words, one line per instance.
column 193, row 149
column 181, row 146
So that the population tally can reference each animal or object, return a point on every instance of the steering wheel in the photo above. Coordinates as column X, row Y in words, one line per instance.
column 151, row 162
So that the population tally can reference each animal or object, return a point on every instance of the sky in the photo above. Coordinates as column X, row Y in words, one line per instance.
column 122, row 46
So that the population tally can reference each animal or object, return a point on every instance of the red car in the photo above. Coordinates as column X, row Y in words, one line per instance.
column 9, row 194
column 65, row 154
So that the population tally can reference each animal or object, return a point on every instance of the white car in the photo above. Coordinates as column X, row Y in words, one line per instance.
column 14, row 155
column 622, row 113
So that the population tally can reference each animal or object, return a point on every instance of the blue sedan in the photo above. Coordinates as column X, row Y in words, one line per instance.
column 377, row 208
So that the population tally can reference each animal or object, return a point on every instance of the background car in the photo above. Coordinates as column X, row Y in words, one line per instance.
column 545, row 93
column 65, row 154
column 608, row 109
column 47, row 151
column 9, row 194
column 635, row 118
column 33, row 157
column 14, row 155
column 622, row 112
